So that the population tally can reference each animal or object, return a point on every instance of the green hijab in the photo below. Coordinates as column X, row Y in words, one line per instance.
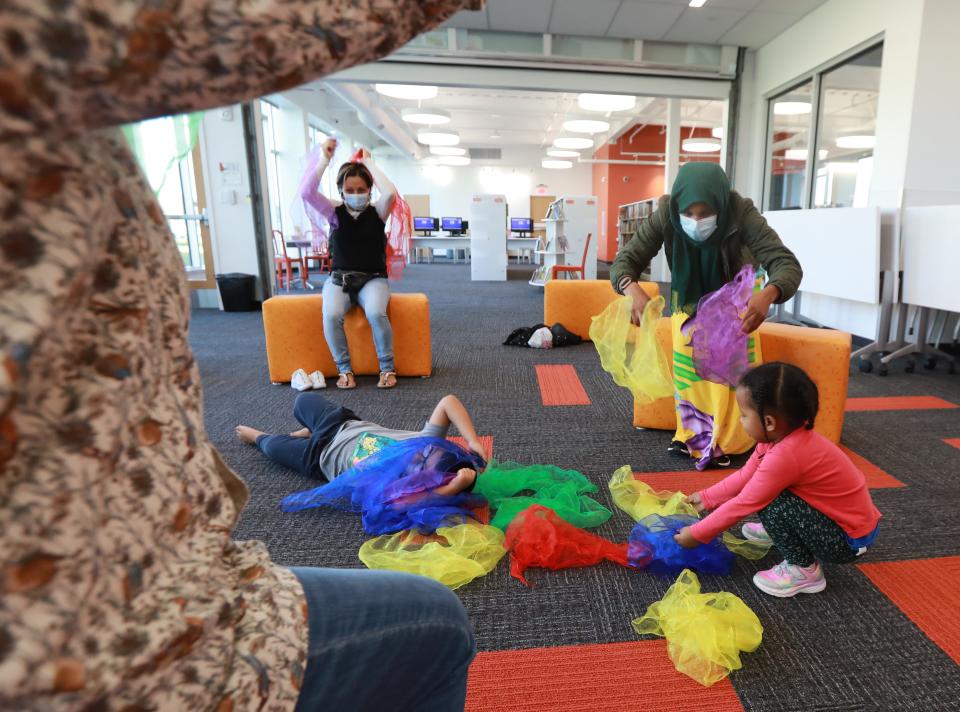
column 697, row 268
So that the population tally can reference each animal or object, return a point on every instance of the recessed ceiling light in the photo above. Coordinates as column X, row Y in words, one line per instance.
column 430, row 117
column 701, row 145
column 556, row 163
column 417, row 92
column 562, row 153
column 454, row 160
column 791, row 108
column 573, row 142
column 438, row 138
column 697, row 3
column 856, row 141
column 606, row 102
column 448, row 151
column 800, row 154
column 589, row 126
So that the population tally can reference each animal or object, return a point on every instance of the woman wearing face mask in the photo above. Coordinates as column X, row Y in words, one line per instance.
column 358, row 247
column 708, row 232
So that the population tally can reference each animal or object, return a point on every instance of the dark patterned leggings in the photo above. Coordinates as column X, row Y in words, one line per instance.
column 803, row 534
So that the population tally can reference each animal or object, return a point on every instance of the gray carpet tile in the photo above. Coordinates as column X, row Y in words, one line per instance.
column 848, row 648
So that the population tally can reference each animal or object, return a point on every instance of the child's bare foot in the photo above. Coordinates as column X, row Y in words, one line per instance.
column 302, row 433
column 465, row 477
column 247, row 434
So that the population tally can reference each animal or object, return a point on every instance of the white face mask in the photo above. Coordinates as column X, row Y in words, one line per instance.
column 357, row 201
column 698, row 230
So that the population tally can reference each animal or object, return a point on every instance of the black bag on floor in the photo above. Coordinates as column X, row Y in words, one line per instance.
column 520, row 337
column 561, row 336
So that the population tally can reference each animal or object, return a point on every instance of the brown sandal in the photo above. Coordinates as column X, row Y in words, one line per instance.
column 346, row 381
column 388, row 379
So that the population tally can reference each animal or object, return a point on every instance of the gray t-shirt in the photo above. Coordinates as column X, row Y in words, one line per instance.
column 335, row 458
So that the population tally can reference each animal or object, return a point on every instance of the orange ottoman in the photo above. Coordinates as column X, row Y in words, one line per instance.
column 574, row 302
column 293, row 326
column 824, row 355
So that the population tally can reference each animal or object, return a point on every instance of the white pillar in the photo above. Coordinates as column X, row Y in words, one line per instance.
column 673, row 144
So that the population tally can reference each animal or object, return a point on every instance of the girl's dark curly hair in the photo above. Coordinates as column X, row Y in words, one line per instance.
column 784, row 390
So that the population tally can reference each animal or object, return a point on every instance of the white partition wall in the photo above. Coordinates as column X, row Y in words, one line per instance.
column 580, row 213
column 838, row 249
column 488, row 238
column 930, row 246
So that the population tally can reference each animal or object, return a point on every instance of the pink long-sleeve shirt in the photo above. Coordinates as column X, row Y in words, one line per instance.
column 807, row 464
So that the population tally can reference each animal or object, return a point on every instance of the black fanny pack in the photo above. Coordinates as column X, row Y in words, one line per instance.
column 352, row 282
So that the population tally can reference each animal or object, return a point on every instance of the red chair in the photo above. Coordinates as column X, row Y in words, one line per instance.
column 321, row 256
column 282, row 259
column 571, row 269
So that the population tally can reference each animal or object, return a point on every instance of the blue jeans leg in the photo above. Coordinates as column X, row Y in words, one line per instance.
column 383, row 640
column 373, row 299
column 336, row 304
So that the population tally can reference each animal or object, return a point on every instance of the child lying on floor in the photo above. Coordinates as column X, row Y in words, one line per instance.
column 812, row 500
column 324, row 447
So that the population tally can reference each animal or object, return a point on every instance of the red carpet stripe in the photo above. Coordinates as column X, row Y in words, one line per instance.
column 926, row 590
column 612, row 677
column 898, row 403
column 876, row 478
column 485, row 440
column 953, row 441
column 560, row 385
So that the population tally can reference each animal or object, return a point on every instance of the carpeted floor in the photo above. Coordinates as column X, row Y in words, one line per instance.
column 874, row 640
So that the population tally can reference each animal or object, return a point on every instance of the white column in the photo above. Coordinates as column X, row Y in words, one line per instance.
column 673, row 144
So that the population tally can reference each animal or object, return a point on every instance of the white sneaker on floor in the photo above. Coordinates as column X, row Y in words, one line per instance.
column 300, row 381
column 317, row 380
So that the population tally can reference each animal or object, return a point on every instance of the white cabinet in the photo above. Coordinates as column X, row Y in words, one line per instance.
column 488, row 238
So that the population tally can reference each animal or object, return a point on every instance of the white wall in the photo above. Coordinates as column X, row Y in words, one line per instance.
column 516, row 175
column 832, row 29
column 232, row 233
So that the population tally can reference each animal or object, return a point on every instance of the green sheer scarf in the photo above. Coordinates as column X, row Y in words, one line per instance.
column 697, row 268
column 185, row 128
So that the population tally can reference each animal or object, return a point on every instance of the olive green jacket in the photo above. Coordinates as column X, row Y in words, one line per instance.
column 749, row 239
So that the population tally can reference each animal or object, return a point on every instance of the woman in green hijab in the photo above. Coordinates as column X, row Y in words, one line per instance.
column 708, row 233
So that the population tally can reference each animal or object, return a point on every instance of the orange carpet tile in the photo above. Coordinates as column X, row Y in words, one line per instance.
column 611, row 677
column 485, row 440
column 928, row 592
column 953, row 441
column 876, row 478
column 898, row 403
column 560, row 385
column 687, row 481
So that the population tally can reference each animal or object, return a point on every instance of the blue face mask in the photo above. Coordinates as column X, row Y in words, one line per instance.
column 698, row 230
column 357, row 201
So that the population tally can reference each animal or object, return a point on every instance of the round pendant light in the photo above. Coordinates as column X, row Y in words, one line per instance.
column 587, row 126
column 791, row 108
column 856, row 141
column 438, row 138
column 573, row 142
column 448, row 151
column 701, row 145
column 556, row 164
column 429, row 117
column 415, row 92
column 454, row 160
column 562, row 153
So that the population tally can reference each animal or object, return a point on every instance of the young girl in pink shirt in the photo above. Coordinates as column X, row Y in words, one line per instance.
column 812, row 501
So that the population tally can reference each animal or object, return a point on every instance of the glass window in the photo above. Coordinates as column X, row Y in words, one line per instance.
column 502, row 42
column 846, row 131
column 788, row 143
column 269, row 115
column 592, row 47
column 676, row 54
column 435, row 39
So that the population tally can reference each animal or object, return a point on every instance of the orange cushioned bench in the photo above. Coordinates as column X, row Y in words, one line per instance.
column 824, row 354
column 293, row 326
column 574, row 302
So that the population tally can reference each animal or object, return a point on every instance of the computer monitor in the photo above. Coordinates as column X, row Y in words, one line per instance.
column 521, row 224
column 453, row 225
column 426, row 225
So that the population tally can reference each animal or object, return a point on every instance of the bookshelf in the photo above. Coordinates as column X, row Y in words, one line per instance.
column 631, row 216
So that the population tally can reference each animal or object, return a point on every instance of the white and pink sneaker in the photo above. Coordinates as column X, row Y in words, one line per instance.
column 754, row 531
column 785, row 580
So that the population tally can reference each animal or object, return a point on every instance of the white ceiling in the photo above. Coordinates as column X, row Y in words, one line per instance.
column 747, row 23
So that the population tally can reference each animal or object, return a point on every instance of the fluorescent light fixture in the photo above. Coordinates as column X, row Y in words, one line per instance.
column 448, row 151
column 588, row 126
column 562, row 153
column 417, row 92
column 556, row 163
column 856, row 141
column 717, row 132
column 430, row 117
column 700, row 145
column 438, row 138
column 454, row 160
column 573, row 142
column 800, row 154
column 791, row 108
column 606, row 102
column 697, row 3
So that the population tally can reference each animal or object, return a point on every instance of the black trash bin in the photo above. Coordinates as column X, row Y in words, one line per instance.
column 238, row 291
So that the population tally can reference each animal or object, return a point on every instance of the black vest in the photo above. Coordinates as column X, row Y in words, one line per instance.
column 359, row 244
